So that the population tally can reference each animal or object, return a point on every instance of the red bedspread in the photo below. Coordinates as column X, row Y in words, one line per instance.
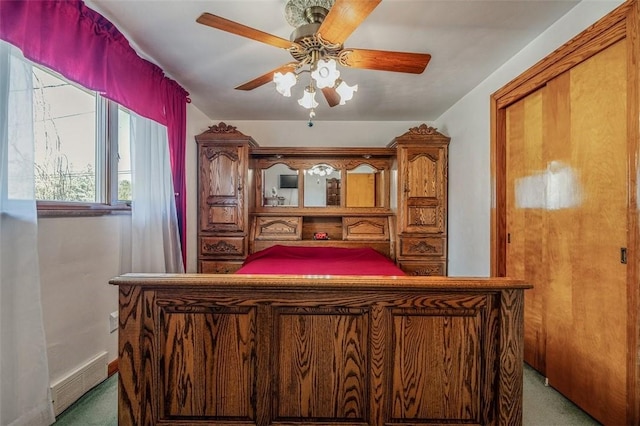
column 319, row 261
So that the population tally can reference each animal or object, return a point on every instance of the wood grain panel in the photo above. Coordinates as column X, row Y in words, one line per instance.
column 130, row 360
column 510, row 325
column 526, row 176
column 322, row 365
column 633, row 138
column 208, row 362
column 423, row 267
column 380, row 364
column 218, row 267
column 222, row 194
column 581, row 316
column 278, row 228
column 436, row 373
column 566, row 222
column 365, row 228
column 423, row 191
column 422, row 180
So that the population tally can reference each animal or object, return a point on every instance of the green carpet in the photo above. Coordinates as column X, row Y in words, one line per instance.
column 542, row 406
column 98, row 407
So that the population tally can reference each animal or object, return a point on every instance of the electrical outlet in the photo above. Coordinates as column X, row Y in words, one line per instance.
column 113, row 321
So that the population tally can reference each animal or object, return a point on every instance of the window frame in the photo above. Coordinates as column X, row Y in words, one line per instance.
column 106, row 167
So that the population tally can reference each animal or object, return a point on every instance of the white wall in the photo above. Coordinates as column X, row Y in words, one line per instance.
column 78, row 256
column 468, row 125
column 323, row 133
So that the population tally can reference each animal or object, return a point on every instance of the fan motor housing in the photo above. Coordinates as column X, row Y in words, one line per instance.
column 309, row 45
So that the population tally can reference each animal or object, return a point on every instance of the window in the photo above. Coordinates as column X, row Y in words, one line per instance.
column 81, row 146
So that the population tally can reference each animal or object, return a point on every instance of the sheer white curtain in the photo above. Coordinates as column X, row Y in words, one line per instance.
column 155, row 242
column 24, row 373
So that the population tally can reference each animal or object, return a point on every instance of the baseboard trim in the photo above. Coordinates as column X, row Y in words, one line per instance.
column 112, row 368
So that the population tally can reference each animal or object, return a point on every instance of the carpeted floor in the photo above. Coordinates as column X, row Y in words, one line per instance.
column 542, row 406
column 98, row 407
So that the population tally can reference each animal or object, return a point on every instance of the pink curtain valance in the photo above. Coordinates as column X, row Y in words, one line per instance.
column 85, row 47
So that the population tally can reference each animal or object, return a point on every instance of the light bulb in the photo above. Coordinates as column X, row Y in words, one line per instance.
column 308, row 100
column 284, row 82
column 345, row 91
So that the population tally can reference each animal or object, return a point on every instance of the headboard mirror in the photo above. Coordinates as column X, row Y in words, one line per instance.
column 280, row 186
column 322, row 184
column 352, row 179
column 365, row 186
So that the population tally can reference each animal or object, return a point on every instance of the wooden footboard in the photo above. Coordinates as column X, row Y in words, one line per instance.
column 275, row 350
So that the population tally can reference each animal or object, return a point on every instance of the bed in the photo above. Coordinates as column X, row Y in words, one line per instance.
column 281, row 259
column 282, row 349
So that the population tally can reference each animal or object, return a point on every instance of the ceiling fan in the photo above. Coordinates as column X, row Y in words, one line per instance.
column 316, row 44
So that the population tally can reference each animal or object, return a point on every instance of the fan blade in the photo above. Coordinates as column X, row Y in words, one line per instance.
column 242, row 30
column 268, row 77
column 331, row 96
column 344, row 17
column 383, row 60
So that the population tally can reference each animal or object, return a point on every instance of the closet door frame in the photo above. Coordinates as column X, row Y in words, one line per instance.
column 621, row 23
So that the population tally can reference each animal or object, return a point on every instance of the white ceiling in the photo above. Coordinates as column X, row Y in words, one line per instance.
column 468, row 40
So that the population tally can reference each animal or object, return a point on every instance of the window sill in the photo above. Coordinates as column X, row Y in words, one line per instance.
column 53, row 209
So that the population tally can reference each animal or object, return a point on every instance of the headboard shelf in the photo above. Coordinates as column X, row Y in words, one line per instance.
column 320, row 211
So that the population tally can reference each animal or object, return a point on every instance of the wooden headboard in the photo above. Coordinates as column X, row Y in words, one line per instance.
column 392, row 199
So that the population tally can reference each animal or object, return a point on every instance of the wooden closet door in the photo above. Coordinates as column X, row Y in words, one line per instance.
column 526, row 220
column 567, row 221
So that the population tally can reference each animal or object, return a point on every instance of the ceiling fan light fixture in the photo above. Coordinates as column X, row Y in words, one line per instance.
column 320, row 170
column 284, row 82
column 316, row 45
column 325, row 73
column 308, row 99
column 345, row 91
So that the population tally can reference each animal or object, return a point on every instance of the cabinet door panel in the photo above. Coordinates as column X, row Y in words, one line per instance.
column 315, row 383
column 215, row 378
column 221, row 181
column 436, row 374
column 423, row 189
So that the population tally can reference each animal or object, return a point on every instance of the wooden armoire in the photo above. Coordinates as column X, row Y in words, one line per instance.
column 223, row 191
column 565, row 145
column 422, row 155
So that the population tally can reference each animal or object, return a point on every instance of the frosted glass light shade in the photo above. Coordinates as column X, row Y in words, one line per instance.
column 325, row 73
column 320, row 170
column 284, row 83
column 308, row 100
column 346, row 92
